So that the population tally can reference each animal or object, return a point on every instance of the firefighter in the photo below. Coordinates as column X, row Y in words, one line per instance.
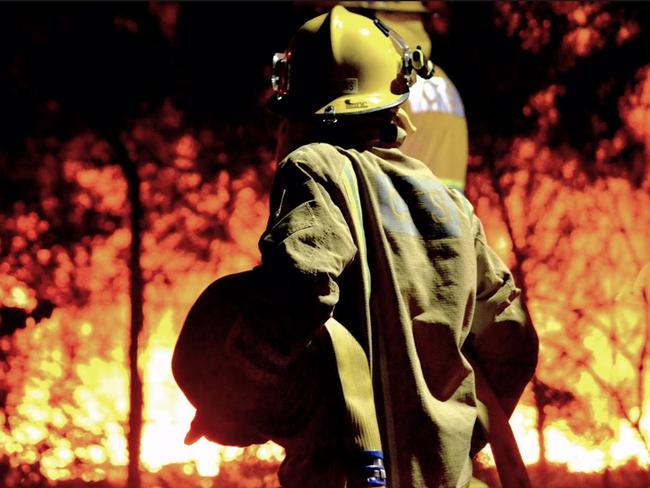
column 377, row 300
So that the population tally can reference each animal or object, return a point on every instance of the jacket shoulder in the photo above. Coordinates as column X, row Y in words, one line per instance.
column 320, row 160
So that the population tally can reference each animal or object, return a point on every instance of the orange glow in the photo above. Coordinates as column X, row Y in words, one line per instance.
column 583, row 40
column 627, row 32
column 576, row 226
column 635, row 109
column 68, row 403
column 85, row 403
column 16, row 294
column 582, row 247
column 68, row 379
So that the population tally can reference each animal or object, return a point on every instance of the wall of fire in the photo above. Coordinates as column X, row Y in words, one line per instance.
column 558, row 103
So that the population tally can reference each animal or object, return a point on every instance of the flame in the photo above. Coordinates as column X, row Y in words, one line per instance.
column 61, row 409
column 19, row 297
column 68, row 403
column 68, row 400
column 569, row 449
column 583, row 250
column 586, row 275
column 603, row 378
column 68, row 379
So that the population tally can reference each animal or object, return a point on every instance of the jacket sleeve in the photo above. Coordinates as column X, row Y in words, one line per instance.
column 503, row 343
column 306, row 246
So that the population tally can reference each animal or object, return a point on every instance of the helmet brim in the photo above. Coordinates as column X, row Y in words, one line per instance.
column 362, row 104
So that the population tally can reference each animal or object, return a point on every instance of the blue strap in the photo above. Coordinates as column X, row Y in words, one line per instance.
column 373, row 470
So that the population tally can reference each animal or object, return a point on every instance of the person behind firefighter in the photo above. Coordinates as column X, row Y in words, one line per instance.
column 434, row 106
column 357, row 342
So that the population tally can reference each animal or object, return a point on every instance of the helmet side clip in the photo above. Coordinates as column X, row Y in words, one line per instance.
column 329, row 116
column 413, row 60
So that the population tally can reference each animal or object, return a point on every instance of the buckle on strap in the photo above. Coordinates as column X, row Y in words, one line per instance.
column 373, row 470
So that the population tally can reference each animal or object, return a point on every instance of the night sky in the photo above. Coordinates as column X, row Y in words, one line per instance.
column 64, row 66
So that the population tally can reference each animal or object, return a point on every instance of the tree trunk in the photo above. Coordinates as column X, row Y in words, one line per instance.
column 136, row 290
column 137, row 319
column 518, row 275
column 540, row 403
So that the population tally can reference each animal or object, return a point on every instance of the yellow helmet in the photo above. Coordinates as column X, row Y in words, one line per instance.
column 340, row 64
column 402, row 6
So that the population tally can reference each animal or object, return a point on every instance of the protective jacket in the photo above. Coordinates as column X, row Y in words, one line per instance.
column 374, row 239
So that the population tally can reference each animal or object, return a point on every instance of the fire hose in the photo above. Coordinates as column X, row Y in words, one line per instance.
column 510, row 466
column 356, row 384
